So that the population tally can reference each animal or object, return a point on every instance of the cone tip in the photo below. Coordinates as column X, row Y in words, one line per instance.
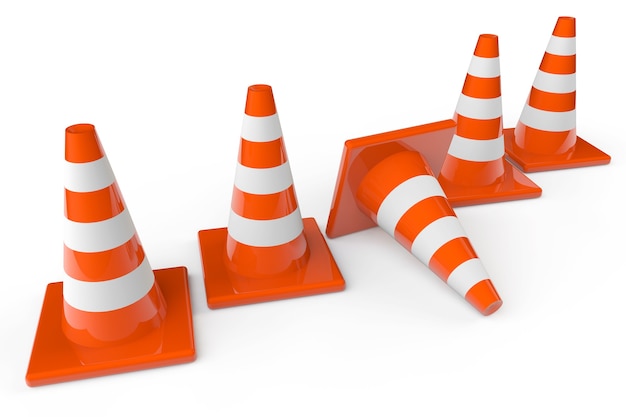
column 492, row 308
column 82, row 143
column 260, row 101
column 565, row 27
column 80, row 128
column 484, row 297
column 487, row 46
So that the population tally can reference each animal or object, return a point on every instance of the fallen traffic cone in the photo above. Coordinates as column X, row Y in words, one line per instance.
column 385, row 181
column 475, row 170
column 545, row 136
column 267, row 252
column 112, row 313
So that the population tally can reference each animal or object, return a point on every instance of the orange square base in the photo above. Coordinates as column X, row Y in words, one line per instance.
column 514, row 186
column 584, row 155
column 54, row 359
column 318, row 276
column 362, row 154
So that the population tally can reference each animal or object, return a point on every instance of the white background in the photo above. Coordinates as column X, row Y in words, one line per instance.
column 165, row 85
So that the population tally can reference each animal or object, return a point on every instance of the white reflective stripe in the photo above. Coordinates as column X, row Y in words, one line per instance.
column 434, row 236
column 549, row 121
column 265, row 233
column 479, row 108
column 484, row 67
column 99, row 236
column 261, row 129
column 561, row 46
column 88, row 176
column 555, row 83
column 263, row 180
column 403, row 197
column 466, row 275
column 477, row 150
column 109, row 295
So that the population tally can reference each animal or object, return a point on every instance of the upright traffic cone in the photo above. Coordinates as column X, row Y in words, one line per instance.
column 385, row 181
column 267, row 252
column 545, row 135
column 112, row 313
column 475, row 170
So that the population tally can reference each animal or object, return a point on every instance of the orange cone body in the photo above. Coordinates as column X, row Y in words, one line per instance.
column 476, row 154
column 110, row 294
column 545, row 135
column 475, row 169
column 385, row 180
column 112, row 313
column 547, row 124
column 267, row 252
column 265, row 230
column 402, row 196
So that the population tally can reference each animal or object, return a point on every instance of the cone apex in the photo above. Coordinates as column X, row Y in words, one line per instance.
column 487, row 46
column 565, row 27
column 260, row 101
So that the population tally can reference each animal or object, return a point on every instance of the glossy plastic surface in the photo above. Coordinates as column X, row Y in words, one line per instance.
column 109, row 292
column 225, row 288
column 545, row 136
column 265, row 227
column 582, row 155
column 404, row 198
column 110, row 313
column 360, row 155
column 56, row 359
column 267, row 252
column 375, row 167
column 475, row 170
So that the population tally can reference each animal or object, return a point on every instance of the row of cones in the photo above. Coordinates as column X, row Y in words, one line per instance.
column 476, row 168
column 113, row 313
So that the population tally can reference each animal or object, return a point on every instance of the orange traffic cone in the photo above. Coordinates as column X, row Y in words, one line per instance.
column 475, row 170
column 545, row 136
column 384, row 181
column 267, row 252
column 112, row 313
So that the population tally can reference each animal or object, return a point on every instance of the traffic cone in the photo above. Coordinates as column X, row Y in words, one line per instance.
column 385, row 181
column 112, row 313
column 475, row 170
column 267, row 252
column 545, row 135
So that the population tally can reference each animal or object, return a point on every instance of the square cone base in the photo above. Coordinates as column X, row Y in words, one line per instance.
column 584, row 155
column 515, row 185
column 319, row 275
column 362, row 154
column 55, row 359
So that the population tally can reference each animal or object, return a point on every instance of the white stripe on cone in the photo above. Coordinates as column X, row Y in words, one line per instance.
column 265, row 233
column 555, row 83
column 434, row 236
column 548, row 121
column 112, row 294
column 483, row 150
column 466, row 275
column 479, row 108
column 99, row 236
column 261, row 129
column 484, row 67
column 88, row 176
column 263, row 180
column 559, row 45
column 403, row 197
